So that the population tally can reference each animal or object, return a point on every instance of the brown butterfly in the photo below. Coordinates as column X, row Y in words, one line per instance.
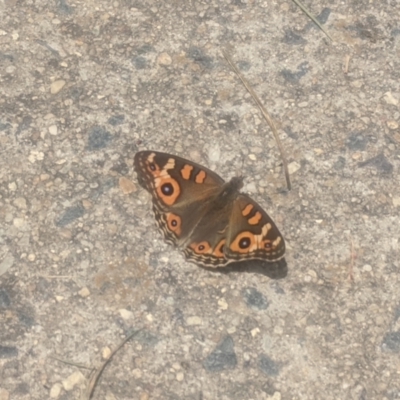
column 207, row 218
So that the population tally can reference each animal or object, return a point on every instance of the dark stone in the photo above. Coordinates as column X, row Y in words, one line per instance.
column 255, row 299
column 391, row 342
column 98, row 138
column 116, row 120
column 22, row 388
column 25, row 124
column 294, row 77
column 120, row 167
column 75, row 92
column 230, row 121
column 8, row 351
column 70, row 214
column 4, row 126
column 199, row 57
column 324, row 15
column 6, row 57
column 244, row 65
column 177, row 317
column 26, row 320
column 357, row 141
column 64, row 7
column 290, row 133
column 293, row 38
column 339, row 163
column 139, row 62
column 268, row 366
column 4, row 299
column 222, row 357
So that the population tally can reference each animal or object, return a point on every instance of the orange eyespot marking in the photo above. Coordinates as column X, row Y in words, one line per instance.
column 168, row 190
column 247, row 210
column 201, row 177
column 255, row 219
column 245, row 242
column 269, row 245
column 186, row 171
column 201, row 248
column 219, row 249
column 174, row 224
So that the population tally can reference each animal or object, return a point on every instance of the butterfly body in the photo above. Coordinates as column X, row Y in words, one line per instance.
column 210, row 220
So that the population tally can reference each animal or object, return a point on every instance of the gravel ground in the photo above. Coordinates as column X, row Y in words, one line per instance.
column 85, row 85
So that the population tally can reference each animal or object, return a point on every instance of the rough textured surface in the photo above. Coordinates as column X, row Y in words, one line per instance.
column 84, row 85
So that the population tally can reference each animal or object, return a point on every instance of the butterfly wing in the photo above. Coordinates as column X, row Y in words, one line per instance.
column 179, row 190
column 252, row 234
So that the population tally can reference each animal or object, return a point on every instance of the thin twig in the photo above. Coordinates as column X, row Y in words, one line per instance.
column 346, row 64
column 71, row 363
column 87, row 395
column 352, row 257
column 265, row 115
column 304, row 9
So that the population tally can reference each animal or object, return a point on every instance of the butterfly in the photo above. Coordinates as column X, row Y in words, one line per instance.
column 208, row 219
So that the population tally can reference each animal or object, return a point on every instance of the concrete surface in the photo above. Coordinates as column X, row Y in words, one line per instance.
column 84, row 85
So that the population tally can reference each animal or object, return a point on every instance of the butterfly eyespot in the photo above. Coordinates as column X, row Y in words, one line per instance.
column 201, row 247
column 268, row 245
column 152, row 167
column 167, row 189
column 244, row 243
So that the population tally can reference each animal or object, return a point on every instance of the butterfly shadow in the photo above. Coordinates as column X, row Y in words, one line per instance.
column 276, row 270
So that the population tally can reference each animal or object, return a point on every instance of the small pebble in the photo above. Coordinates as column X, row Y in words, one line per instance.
column 125, row 314
column 126, row 185
column 137, row 373
column 293, row 167
column 254, row 332
column 192, row 321
column 144, row 396
column 392, row 125
column 149, row 318
column 53, row 130
column 222, row 304
column 74, row 379
column 390, row 99
column 57, row 86
column 105, row 353
column 55, row 391
column 164, row 59
column 20, row 202
column 84, row 292
column 275, row 396
column 214, row 154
